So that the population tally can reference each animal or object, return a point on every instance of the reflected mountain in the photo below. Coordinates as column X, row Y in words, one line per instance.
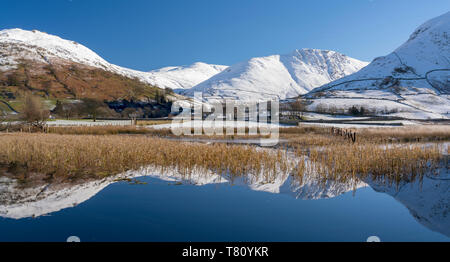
column 309, row 187
column 21, row 202
column 427, row 200
column 17, row 202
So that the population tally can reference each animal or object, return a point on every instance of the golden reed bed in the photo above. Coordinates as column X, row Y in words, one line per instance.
column 79, row 156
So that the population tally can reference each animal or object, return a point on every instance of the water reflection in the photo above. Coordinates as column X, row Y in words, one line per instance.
column 427, row 199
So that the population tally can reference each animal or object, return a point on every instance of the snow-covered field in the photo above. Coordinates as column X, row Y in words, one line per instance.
column 362, row 124
column 383, row 107
column 89, row 123
column 217, row 124
column 317, row 116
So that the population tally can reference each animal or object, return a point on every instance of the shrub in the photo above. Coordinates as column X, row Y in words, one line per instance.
column 34, row 112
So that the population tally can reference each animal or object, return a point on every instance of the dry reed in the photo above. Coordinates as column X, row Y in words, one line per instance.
column 392, row 163
column 71, row 156
column 100, row 151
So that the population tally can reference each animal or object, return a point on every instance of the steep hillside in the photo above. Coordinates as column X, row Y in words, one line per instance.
column 59, row 68
column 413, row 81
column 56, row 68
column 58, row 79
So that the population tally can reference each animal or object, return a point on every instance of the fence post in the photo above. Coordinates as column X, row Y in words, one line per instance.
column 353, row 137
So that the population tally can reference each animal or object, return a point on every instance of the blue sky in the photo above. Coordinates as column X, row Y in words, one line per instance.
column 148, row 34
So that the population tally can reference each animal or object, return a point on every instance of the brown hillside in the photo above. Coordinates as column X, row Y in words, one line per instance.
column 62, row 80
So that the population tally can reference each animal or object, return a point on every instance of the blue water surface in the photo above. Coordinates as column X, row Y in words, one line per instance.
column 163, row 211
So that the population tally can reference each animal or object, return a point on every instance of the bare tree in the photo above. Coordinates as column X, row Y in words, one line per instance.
column 92, row 107
column 297, row 107
column 132, row 114
column 66, row 109
column 2, row 115
column 34, row 112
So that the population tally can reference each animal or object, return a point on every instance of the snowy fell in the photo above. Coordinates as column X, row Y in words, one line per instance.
column 18, row 44
column 413, row 81
column 278, row 76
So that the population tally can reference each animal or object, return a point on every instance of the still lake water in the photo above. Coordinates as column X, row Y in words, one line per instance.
column 166, row 211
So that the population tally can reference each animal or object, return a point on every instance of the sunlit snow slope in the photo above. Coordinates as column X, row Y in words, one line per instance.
column 413, row 81
column 18, row 44
column 278, row 76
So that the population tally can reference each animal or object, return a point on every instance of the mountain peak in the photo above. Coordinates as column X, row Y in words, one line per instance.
column 278, row 76
column 311, row 51
column 34, row 37
column 438, row 23
column 38, row 46
column 17, row 44
column 184, row 77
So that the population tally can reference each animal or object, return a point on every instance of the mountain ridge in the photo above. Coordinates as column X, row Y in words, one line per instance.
column 278, row 76
column 40, row 50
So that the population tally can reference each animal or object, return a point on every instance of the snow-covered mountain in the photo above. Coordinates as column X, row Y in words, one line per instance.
column 278, row 76
column 413, row 81
column 184, row 77
column 17, row 45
